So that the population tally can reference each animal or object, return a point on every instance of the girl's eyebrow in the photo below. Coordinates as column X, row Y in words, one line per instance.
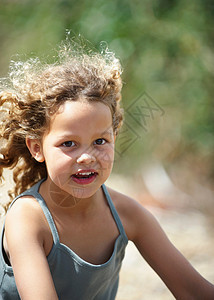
column 74, row 136
column 108, row 131
column 66, row 137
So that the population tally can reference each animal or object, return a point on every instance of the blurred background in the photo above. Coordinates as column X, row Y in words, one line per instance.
column 164, row 156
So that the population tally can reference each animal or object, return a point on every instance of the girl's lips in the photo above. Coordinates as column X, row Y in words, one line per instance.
column 84, row 176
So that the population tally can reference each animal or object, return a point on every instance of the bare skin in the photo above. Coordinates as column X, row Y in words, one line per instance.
column 94, row 245
column 85, row 224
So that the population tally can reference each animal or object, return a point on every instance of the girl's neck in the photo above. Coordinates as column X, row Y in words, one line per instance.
column 65, row 203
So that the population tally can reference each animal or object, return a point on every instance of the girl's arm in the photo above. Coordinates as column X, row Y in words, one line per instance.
column 181, row 278
column 25, row 243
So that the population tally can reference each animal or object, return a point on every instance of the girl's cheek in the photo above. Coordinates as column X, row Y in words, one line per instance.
column 107, row 161
column 107, row 154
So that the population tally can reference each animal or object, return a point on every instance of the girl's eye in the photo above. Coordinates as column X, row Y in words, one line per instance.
column 68, row 144
column 100, row 142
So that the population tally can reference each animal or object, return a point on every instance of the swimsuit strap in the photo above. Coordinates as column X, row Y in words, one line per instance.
column 34, row 191
column 115, row 213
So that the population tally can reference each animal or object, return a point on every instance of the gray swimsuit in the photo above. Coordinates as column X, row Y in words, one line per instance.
column 74, row 278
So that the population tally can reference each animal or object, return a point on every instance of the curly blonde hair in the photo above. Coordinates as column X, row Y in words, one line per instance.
column 34, row 91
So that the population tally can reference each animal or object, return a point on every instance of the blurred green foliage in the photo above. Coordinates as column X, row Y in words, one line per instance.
column 166, row 49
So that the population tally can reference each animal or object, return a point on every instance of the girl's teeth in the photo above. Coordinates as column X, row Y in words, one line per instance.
column 85, row 173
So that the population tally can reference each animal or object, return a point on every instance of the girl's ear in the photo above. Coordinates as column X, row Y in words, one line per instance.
column 35, row 148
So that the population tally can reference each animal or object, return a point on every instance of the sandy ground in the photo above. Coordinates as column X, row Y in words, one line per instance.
column 190, row 231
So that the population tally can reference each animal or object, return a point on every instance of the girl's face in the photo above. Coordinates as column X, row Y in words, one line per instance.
column 78, row 149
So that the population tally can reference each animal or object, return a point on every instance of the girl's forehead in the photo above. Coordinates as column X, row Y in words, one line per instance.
column 82, row 109
column 77, row 114
column 82, row 103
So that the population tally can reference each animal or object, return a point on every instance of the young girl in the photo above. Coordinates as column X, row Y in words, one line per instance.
column 65, row 233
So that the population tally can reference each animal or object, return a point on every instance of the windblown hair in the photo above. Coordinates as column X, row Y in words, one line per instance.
column 34, row 91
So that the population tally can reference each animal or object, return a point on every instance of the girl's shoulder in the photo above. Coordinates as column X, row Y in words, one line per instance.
column 131, row 212
column 25, row 221
column 122, row 201
column 25, row 209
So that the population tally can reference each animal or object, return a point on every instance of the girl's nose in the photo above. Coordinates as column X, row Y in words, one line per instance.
column 85, row 158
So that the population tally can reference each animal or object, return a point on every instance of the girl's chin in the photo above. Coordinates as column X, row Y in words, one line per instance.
column 78, row 192
column 76, row 189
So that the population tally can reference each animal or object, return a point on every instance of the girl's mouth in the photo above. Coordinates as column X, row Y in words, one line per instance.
column 84, row 177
